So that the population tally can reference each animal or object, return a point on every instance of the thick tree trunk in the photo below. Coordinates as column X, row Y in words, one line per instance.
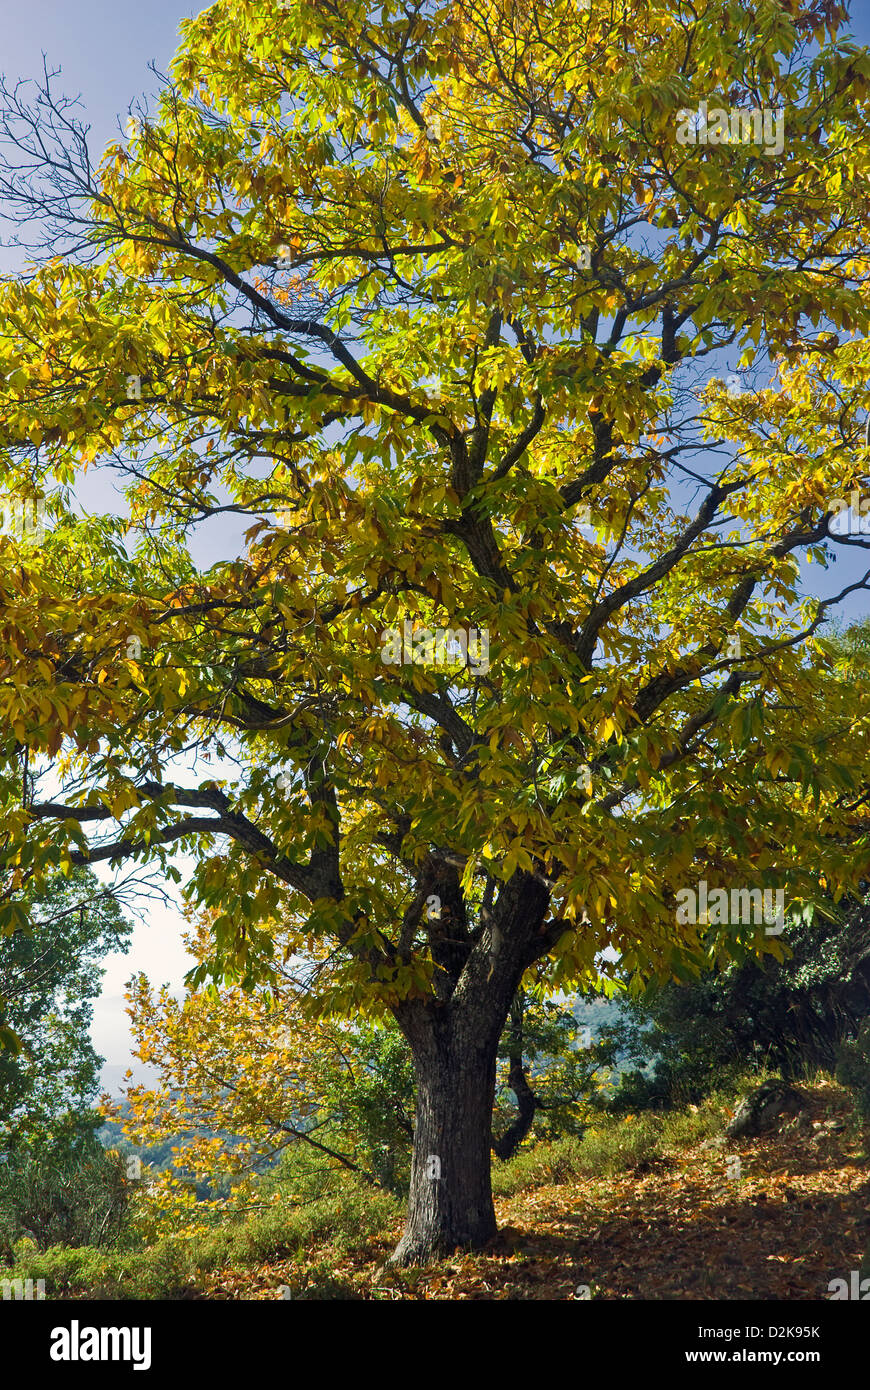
column 450, row 1201
column 454, row 1038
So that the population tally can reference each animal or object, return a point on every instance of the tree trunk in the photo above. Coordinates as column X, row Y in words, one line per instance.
column 527, row 1101
column 450, row 1200
column 454, row 1036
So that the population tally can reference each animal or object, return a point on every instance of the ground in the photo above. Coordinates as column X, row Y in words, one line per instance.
column 676, row 1226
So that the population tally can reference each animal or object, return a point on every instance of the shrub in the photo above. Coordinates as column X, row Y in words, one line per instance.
column 789, row 1017
column 853, row 1068
column 63, row 1194
column 174, row 1265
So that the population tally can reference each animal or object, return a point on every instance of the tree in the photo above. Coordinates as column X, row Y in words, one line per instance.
column 66, row 1190
column 56, row 1182
column 50, row 974
column 249, row 1076
column 552, row 1075
column 516, row 649
column 792, row 1015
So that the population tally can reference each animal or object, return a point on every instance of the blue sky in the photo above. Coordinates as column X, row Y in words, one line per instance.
column 103, row 48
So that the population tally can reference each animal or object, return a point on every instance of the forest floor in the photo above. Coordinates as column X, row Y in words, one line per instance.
column 692, row 1224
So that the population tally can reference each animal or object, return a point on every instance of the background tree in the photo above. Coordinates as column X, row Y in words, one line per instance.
column 792, row 1016
column 550, row 1070
column 57, row 1185
column 443, row 289
column 250, row 1075
column 50, row 974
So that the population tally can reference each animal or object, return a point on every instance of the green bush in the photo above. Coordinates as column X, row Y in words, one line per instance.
column 613, row 1145
column 372, row 1107
column 853, row 1068
column 64, row 1192
column 788, row 1017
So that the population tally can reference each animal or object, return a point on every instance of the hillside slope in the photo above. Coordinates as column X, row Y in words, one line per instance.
column 671, row 1226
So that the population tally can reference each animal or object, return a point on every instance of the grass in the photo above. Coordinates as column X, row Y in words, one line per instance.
column 611, row 1146
column 308, row 1242
column 173, row 1266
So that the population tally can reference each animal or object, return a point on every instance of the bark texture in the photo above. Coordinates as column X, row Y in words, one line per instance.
column 454, row 1041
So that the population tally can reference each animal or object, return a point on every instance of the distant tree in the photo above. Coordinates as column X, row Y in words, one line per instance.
column 548, row 1073
column 791, row 1015
column 249, row 1075
column 50, row 975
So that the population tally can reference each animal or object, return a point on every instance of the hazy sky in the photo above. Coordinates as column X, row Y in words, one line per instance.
column 103, row 48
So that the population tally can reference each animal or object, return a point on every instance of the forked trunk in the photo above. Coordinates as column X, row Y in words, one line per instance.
column 454, row 1039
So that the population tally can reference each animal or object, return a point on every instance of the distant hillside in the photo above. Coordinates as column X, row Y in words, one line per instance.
column 113, row 1077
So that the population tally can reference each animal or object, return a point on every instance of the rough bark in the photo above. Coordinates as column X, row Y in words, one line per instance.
column 454, row 1042
column 450, row 1200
